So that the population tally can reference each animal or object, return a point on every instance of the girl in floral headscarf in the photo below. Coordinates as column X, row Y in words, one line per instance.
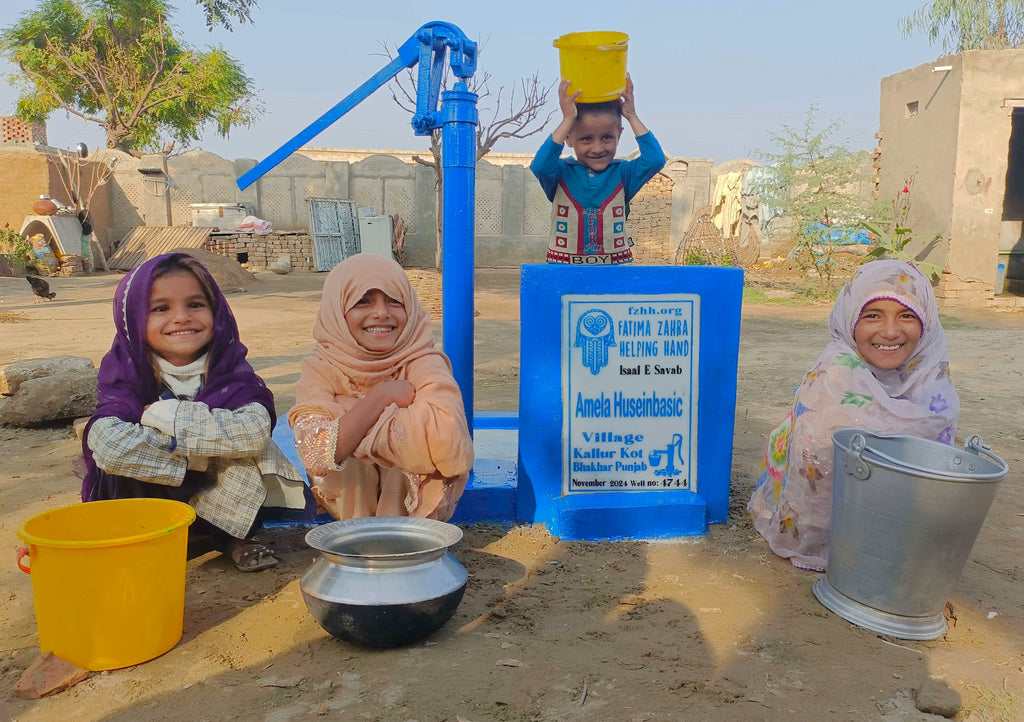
column 885, row 370
column 378, row 419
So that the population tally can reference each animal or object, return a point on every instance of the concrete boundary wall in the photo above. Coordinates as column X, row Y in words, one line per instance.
column 512, row 213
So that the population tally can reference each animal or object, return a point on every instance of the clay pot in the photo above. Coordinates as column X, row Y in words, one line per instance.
column 44, row 206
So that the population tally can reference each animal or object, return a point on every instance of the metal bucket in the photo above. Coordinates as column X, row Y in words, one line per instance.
column 905, row 514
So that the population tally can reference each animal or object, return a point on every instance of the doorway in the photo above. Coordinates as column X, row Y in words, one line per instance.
column 1011, row 236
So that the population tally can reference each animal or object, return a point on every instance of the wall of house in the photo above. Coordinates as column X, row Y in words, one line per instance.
column 955, row 147
column 26, row 174
column 993, row 86
column 919, row 147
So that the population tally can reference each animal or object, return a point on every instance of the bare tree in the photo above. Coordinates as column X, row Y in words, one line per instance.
column 516, row 112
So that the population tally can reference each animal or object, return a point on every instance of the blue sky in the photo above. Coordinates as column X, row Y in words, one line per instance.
column 713, row 79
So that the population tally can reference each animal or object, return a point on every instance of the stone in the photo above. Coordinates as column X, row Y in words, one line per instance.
column 12, row 375
column 296, row 711
column 48, row 674
column 282, row 265
column 936, row 697
column 47, row 399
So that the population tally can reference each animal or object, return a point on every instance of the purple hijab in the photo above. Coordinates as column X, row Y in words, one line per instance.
column 126, row 382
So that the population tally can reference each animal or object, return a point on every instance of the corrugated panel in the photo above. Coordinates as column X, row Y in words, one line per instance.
column 145, row 242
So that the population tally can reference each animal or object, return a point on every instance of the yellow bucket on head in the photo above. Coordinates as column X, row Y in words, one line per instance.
column 108, row 579
column 594, row 63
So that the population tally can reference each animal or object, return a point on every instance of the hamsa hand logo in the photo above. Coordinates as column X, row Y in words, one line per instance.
column 595, row 332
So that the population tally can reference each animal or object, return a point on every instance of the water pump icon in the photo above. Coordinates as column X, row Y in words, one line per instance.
column 671, row 452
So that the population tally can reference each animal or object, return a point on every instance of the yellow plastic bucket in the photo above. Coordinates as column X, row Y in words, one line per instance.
column 108, row 579
column 595, row 63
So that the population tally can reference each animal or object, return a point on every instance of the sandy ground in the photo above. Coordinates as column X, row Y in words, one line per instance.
column 715, row 628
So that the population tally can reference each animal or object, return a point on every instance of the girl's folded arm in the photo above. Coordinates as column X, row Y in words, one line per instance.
column 138, row 452
column 202, row 431
column 441, row 445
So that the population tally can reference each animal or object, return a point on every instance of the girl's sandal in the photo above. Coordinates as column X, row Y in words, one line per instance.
column 251, row 556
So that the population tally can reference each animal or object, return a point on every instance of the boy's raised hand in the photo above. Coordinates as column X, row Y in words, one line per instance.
column 628, row 107
column 566, row 102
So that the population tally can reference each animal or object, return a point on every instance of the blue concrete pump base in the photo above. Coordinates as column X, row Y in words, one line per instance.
column 543, row 495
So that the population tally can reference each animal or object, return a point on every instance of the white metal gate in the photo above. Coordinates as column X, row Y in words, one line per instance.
column 335, row 230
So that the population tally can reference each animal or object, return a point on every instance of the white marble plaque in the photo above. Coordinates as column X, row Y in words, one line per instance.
column 629, row 392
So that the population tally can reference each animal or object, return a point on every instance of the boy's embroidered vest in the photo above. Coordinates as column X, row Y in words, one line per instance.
column 588, row 236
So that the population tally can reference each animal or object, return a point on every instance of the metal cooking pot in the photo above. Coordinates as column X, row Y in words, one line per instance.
column 383, row 581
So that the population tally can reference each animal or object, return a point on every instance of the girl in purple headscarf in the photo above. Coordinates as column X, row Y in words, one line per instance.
column 886, row 370
column 182, row 415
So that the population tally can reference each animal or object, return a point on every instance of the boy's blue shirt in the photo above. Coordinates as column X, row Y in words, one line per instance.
column 591, row 188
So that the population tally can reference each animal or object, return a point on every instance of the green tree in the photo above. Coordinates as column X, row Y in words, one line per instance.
column 118, row 64
column 222, row 12
column 969, row 24
column 818, row 188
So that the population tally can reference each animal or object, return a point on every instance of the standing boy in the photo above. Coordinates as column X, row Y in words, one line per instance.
column 590, row 195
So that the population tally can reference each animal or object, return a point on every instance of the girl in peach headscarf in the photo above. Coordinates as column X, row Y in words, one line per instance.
column 378, row 420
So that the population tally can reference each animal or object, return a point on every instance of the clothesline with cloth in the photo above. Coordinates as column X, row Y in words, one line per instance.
column 738, row 198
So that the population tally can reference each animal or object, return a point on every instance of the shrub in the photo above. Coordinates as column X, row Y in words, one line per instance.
column 15, row 248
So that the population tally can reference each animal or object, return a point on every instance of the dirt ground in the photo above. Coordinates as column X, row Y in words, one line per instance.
column 714, row 628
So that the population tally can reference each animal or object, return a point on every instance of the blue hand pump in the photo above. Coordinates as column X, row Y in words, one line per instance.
column 457, row 118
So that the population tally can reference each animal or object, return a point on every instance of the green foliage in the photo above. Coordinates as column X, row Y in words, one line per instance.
column 703, row 257
column 795, row 295
column 892, row 239
column 222, row 12
column 759, row 296
column 817, row 186
column 16, row 248
column 969, row 24
column 116, row 63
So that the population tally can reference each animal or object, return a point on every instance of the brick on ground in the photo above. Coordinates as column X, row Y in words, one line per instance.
column 47, row 675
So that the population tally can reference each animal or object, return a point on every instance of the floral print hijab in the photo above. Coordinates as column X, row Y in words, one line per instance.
column 792, row 504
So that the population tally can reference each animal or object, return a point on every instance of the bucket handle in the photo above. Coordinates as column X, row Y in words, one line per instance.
column 22, row 553
column 862, row 470
column 977, row 445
